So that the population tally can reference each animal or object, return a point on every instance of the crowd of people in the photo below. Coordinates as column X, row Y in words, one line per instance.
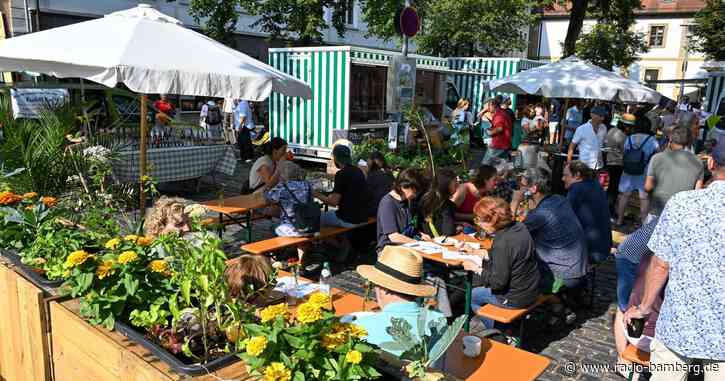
column 669, row 270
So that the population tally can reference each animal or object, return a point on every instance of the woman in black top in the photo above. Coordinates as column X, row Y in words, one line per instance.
column 510, row 277
column 437, row 211
column 395, row 222
column 380, row 180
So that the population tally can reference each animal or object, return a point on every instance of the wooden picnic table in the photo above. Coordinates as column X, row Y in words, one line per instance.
column 497, row 361
column 468, row 283
column 239, row 205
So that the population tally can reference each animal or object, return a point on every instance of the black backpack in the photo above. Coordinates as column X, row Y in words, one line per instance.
column 634, row 160
column 213, row 116
column 307, row 214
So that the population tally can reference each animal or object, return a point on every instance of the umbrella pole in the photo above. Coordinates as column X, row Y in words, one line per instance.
column 142, row 154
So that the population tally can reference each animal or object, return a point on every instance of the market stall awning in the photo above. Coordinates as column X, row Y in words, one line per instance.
column 575, row 78
column 149, row 52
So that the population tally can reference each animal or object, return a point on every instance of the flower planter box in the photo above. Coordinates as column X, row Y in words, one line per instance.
column 31, row 274
column 84, row 352
column 24, row 328
column 174, row 362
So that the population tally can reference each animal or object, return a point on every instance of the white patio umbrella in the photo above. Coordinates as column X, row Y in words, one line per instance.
column 150, row 53
column 575, row 78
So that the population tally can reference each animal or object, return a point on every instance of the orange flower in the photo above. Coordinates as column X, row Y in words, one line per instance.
column 30, row 195
column 49, row 201
column 7, row 198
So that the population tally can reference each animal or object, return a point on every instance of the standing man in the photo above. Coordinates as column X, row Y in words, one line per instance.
column 230, row 134
column 244, row 125
column 554, row 118
column 500, row 132
column 689, row 256
column 615, row 156
column 672, row 171
column 589, row 138
column 573, row 120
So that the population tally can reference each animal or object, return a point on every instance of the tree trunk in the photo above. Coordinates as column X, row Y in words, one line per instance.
column 576, row 22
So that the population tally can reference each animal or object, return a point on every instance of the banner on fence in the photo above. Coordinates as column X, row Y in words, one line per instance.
column 29, row 103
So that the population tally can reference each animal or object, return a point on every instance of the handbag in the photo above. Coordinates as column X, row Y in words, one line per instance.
column 307, row 214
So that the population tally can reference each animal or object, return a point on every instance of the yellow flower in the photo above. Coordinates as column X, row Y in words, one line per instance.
column 131, row 237
column 127, row 256
column 271, row 312
column 276, row 371
column 256, row 345
column 30, row 195
column 76, row 258
column 159, row 266
column 309, row 313
column 144, row 241
column 357, row 331
column 333, row 340
column 7, row 198
column 320, row 299
column 353, row 357
column 112, row 244
column 49, row 201
column 105, row 269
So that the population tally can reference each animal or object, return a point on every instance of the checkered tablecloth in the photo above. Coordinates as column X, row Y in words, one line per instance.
column 175, row 164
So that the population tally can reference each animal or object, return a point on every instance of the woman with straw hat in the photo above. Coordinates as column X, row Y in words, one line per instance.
column 398, row 280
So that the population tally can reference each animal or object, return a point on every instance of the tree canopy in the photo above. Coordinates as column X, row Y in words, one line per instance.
column 219, row 18
column 709, row 30
column 606, row 45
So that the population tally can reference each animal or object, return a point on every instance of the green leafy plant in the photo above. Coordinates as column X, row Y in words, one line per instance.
column 314, row 345
column 21, row 217
column 422, row 350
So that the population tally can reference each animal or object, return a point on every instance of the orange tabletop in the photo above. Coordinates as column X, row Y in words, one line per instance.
column 496, row 362
column 438, row 257
column 236, row 205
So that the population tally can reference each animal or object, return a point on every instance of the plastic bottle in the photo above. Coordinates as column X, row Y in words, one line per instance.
column 325, row 276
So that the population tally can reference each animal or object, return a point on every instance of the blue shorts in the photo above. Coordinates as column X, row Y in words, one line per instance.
column 330, row 218
column 626, row 275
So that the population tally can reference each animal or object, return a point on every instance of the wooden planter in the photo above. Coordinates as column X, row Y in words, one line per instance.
column 24, row 341
column 84, row 352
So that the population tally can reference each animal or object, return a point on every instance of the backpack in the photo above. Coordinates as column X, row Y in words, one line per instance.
column 307, row 214
column 213, row 116
column 634, row 160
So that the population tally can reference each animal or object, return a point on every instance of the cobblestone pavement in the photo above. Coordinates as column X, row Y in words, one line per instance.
column 575, row 350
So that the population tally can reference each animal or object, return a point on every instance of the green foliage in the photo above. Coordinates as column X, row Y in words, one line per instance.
column 318, row 348
column 606, row 45
column 21, row 222
column 301, row 20
column 217, row 18
column 611, row 42
column 40, row 147
column 709, row 30
column 414, row 156
column 476, row 27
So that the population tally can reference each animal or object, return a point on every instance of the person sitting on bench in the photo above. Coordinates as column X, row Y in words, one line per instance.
column 248, row 277
column 511, row 277
column 555, row 228
column 349, row 195
column 395, row 215
column 167, row 216
column 398, row 280
column 264, row 173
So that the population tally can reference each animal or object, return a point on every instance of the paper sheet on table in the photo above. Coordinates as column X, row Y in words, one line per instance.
column 304, row 287
column 456, row 255
column 425, row 247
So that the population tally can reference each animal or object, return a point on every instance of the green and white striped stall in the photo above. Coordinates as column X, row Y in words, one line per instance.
column 311, row 126
column 715, row 90
column 473, row 87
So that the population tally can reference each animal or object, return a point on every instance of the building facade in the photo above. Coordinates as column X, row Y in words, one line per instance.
column 666, row 26
column 20, row 16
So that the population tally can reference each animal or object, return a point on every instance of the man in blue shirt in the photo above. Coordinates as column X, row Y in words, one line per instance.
column 244, row 125
column 398, row 280
column 557, row 233
column 688, row 263
column 591, row 207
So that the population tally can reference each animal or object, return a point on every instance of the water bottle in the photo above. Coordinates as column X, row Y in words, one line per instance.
column 325, row 276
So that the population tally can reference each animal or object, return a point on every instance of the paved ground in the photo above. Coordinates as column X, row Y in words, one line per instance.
column 573, row 348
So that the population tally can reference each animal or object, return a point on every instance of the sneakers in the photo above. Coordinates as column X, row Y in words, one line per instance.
column 514, row 341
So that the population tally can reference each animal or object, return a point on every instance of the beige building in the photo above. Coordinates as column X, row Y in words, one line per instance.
column 665, row 24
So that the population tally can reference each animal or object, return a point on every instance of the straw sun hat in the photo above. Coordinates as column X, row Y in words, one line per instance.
column 398, row 269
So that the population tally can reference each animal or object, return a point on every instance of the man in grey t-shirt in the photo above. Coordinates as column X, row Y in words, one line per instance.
column 674, row 170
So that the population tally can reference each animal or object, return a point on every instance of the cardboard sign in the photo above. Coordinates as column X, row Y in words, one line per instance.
column 29, row 103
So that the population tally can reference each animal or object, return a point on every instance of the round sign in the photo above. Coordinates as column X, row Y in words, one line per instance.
column 409, row 22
